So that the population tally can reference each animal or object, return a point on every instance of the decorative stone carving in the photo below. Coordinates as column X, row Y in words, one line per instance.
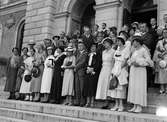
column 10, row 22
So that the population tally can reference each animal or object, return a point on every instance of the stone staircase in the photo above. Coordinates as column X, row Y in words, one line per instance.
column 19, row 111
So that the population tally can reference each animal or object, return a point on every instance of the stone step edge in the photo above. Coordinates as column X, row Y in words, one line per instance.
column 37, row 117
column 70, row 111
column 8, row 119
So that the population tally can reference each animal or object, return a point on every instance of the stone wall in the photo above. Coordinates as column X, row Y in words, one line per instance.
column 39, row 20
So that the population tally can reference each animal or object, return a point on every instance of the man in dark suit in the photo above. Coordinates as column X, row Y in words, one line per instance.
column 80, row 72
column 149, row 43
column 104, row 30
column 88, row 39
column 147, row 37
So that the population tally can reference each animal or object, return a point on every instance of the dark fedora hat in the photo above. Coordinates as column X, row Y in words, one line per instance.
column 35, row 72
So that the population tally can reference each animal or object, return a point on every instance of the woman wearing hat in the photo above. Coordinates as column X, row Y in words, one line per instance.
column 137, row 91
column 107, row 66
column 56, row 87
column 11, row 74
column 20, row 73
column 92, row 75
column 47, row 75
column 68, row 80
column 36, row 81
column 160, row 59
column 25, row 86
column 120, row 71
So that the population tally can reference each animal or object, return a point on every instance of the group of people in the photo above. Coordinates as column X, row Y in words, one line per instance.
column 95, row 65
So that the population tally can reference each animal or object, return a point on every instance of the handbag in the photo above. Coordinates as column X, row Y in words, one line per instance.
column 113, row 82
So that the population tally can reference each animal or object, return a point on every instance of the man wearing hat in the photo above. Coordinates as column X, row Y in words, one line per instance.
column 80, row 71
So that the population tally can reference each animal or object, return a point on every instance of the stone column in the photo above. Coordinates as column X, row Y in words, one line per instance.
column 61, row 22
column 162, row 9
column 109, row 12
column 39, row 20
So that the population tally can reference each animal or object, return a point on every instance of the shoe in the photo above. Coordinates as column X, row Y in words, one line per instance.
column 37, row 97
column 138, row 110
column 27, row 98
column 87, row 105
column 121, row 109
column 114, row 108
column 162, row 91
column 132, row 110
column 31, row 98
column 105, row 107
column 70, row 104
column 52, row 101
column 92, row 105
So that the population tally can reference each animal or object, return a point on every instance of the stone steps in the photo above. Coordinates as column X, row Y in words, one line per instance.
column 7, row 119
column 39, row 112
column 38, row 117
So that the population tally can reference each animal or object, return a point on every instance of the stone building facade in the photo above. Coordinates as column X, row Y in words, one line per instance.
column 22, row 20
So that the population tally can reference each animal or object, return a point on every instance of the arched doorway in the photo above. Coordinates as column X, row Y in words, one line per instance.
column 20, row 35
column 82, row 13
column 140, row 11
column 88, row 18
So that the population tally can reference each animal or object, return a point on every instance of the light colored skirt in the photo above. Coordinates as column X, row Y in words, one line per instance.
column 137, row 91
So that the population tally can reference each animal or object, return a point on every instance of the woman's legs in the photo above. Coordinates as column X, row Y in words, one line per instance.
column 92, row 101
column 88, row 99
column 116, row 105
column 121, row 107
column 162, row 88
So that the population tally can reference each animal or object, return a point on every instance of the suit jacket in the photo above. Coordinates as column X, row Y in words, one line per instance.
column 88, row 41
column 81, row 61
column 148, row 40
column 96, row 63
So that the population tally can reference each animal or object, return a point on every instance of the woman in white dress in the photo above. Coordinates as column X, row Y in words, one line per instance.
column 137, row 91
column 107, row 65
column 120, row 71
column 68, row 79
column 25, row 86
column 47, row 75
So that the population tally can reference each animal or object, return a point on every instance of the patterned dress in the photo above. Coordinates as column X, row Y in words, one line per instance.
column 121, row 72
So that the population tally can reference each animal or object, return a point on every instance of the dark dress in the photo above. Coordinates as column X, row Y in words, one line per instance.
column 11, row 75
column 20, row 73
column 90, row 84
column 57, row 81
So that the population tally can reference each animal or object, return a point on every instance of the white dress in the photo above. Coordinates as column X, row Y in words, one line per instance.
column 104, row 77
column 120, row 57
column 25, row 86
column 137, row 91
column 47, row 74
column 68, row 79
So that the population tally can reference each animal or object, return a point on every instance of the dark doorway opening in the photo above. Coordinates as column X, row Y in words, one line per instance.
column 140, row 11
column 144, row 14
column 88, row 18
column 20, row 35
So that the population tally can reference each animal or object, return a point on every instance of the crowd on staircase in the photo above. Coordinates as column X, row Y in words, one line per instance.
column 97, row 64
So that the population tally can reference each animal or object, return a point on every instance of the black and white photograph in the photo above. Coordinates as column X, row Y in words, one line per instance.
column 83, row 60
